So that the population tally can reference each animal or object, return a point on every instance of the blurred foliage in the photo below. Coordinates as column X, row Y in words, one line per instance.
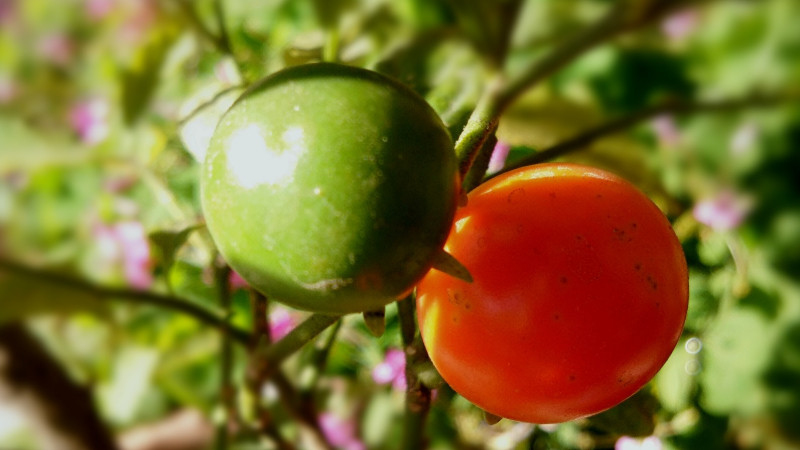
column 106, row 107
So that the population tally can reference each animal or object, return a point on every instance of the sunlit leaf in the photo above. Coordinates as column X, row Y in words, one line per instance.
column 140, row 79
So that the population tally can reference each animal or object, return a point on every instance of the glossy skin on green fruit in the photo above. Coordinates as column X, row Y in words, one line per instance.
column 330, row 188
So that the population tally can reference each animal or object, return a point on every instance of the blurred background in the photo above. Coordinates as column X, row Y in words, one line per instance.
column 106, row 107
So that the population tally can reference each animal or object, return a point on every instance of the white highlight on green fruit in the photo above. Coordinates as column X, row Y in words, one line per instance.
column 252, row 163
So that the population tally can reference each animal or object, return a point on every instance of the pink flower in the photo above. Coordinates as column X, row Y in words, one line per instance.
column 56, row 48
column 391, row 370
column 236, row 282
column 281, row 322
column 629, row 443
column 725, row 211
column 8, row 88
column 666, row 131
column 89, row 119
column 8, row 11
column 99, row 9
column 499, row 156
column 126, row 243
column 339, row 432
column 140, row 16
column 680, row 25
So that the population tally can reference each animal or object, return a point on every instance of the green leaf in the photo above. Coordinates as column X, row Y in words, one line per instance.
column 202, row 112
column 735, row 357
column 674, row 384
column 122, row 396
column 379, row 417
column 445, row 262
column 633, row 417
column 27, row 149
column 488, row 24
column 140, row 79
column 375, row 321
column 168, row 243
column 27, row 295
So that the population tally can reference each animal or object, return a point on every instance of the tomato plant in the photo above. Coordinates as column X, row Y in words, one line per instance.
column 580, row 294
column 330, row 188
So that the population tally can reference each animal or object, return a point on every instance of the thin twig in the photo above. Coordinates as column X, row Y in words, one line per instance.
column 418, row 396
column 617, row 125
column 222, row 29
column 201, row 313
column 624, row 16
column 227, row 390
column 298, row 337
column 199, row 108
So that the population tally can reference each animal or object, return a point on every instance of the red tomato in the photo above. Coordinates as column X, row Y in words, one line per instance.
column 580, row 294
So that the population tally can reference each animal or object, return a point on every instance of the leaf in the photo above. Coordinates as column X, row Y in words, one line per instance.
column 487, row 23
column 122, row 396
column 202, row 112
column 26, row 295
column 445, row 262
column 140, row 79
column 378, row 418
column 634, row 417
column 674, row 383
column 735, row 356
column 375, row 321
column 169, row 242
column 27, row 149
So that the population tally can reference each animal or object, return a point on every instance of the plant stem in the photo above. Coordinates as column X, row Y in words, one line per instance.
column 624, row 16
column 199, row 108
column 586, row 138
column 201, row 313
column 418, row 396
column 227, row 391
column 297, row 338
column 478, row 170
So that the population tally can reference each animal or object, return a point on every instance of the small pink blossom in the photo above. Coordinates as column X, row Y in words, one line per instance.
column 499, row 156
column 99, row 9
column 126, row 243
column 8, row 89
column 681, row 24
column 725, row 211
column 340, row 433
column 629, row 443
column 56, row 48
column 236, row 282
column 140, row 16
column 8, row 12
column 666, row 130
column 89, row 119
column 391, row 370
column 281, row 322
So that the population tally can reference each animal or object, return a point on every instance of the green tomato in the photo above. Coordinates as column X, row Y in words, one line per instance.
column 330, row 188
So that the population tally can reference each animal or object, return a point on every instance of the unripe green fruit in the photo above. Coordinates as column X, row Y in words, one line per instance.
column 330, row 188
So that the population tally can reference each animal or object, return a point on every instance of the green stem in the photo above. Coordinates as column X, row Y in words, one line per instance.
column 227, row 390
column 297, row 338
column 624, row 16
column 330, row 51
column 200, row 313
column 481, row 124
column 418, row 396
column 478, row 170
